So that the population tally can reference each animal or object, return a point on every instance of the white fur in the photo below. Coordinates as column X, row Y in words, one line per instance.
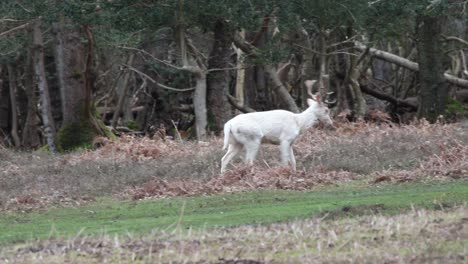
column 279, row 127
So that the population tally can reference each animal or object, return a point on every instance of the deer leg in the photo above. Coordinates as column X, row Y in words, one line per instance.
column 251, row 150
column 292, row 158
column 233, row 149
column 285, row 148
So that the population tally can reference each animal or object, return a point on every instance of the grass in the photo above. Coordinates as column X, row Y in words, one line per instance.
column 352, row 205
column 262, row 207
column 415, row 236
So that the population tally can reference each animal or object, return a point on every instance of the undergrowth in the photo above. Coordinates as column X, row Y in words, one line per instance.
column 143, row 167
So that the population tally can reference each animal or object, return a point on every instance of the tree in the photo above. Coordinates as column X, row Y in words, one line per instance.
column 219, row 78
column 433, row 94
column 429, row 18
column 41, row 80
column 74, row 63
column 30, row 135
column 14, row 105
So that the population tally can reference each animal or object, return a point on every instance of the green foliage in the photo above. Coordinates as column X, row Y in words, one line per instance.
column 244, row 14
column 325, row 14
column 228, row 209
column 131, row 15
column 132, row 125
column 456, row 109
column 272, row 53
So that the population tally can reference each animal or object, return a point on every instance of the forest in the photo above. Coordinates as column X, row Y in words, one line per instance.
column 74, row 70
column 112, row 117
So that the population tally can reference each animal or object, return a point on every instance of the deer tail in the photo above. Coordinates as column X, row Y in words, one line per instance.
column 227, row 133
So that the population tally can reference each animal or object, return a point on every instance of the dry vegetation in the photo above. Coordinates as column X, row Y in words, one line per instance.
column 159, row 167
column 418, row 236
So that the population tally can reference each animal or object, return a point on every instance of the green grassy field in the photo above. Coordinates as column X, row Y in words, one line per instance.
column 110, row 216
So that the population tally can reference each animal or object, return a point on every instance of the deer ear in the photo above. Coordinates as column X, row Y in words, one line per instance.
column 310, row 102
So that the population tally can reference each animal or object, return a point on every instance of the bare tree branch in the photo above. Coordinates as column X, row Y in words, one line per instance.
column 387, row 97
column 236, row 104
column 183, row 68
column 174, row 89
column 405, row 63
column 14, row 29
column 464, row 42
column 146, row 76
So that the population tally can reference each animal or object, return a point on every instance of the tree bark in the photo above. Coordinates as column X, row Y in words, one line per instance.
column 14, row 105
column 70, row 63
column 30, row 136
column 433, row 93
column 218, row 81
column 240, row 77
column 123, row 89
column 359, row 103
column 199, row 105
column 323, row 80
column 307, row 69
column 4, row 105
column 40, row 75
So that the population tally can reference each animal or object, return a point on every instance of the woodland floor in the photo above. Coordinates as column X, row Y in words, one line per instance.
column 363, row 193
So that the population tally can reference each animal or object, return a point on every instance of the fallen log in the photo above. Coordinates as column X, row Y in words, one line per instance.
column 389, row 98
column 405, row 63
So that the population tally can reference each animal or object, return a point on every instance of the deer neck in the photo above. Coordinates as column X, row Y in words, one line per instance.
column 307, row 119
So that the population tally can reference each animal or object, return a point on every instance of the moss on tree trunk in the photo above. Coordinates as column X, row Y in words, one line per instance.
column 80, row 134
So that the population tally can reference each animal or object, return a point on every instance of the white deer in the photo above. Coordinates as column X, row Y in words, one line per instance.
column 278, row 127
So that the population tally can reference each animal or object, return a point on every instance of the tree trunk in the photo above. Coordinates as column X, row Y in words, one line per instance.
column 195, row 65
column 73, row 62
column 307, row 69
column 433, row 92
column 199, row 105
column 342, row 90
column 323, row 80
column 4, row 106
column 40, row 75
column 30, row 137
column 359, row 103
column 218, row 81
column 123, row 89
column 240, row 78
column 13, row 103
column 281, row 91
column 70, row 63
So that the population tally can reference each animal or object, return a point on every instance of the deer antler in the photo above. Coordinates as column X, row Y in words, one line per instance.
column 309, row 84
column 330, row 102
